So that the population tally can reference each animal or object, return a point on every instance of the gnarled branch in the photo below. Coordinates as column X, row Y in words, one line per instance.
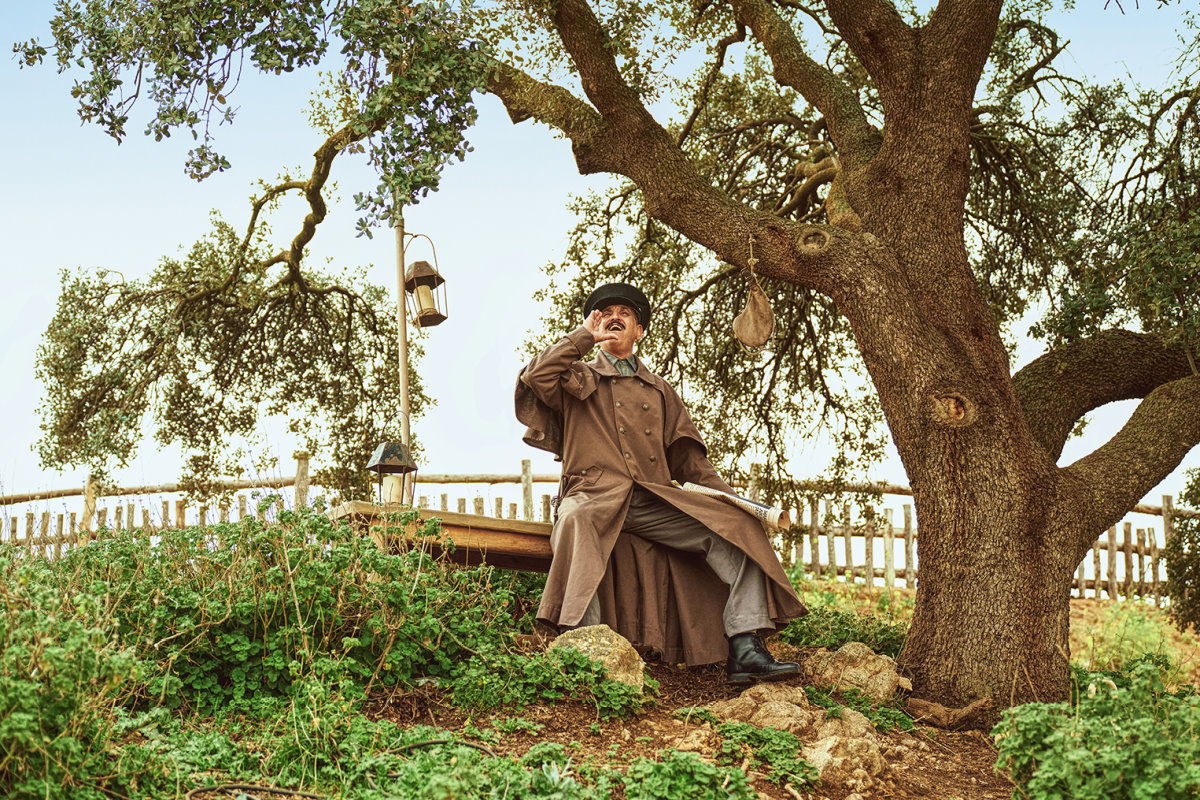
column 1058, row 388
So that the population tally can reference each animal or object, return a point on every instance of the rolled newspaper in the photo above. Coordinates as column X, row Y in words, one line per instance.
column 771, row 516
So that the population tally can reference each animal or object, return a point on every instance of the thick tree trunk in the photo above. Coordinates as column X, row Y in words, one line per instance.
column 992, row 610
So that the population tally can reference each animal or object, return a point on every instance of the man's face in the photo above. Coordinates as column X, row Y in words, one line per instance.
column 621, row 320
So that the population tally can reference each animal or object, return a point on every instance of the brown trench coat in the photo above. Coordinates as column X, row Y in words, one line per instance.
column 613, row 432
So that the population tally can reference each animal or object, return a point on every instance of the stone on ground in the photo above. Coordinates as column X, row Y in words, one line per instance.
column 614, row 652
column 855, row 666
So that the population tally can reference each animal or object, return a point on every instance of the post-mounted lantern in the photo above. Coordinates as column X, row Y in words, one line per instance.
column 391, row 458
column 426, row 288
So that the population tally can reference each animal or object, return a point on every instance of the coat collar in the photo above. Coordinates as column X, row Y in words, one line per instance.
column 602, row 366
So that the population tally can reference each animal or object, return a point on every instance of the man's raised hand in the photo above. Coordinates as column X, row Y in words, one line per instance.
column 594, row 325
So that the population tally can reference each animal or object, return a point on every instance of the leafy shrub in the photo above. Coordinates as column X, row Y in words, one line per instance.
column 1182, row 554
column 507, row 679
column 778, row 750
column 1137, row 742
column 61, row 674
column 829, row 627
column 884, row 716
column 679, row 775
column 234, row 612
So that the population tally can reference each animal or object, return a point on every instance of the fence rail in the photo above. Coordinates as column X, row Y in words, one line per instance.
column 827, row 540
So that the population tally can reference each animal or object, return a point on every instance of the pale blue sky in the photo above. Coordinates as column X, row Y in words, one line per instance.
column 73, row 197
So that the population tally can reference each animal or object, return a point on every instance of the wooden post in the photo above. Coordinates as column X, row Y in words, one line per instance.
column 479, row 506
column 1112, row 563
column 462, row 505
column 129, row 514
column 45, row 537
column 526, row 489
column 101, row 519
column 545, row 508
column 29, row 531
column 512, row 510
column 1168, row 507
column 89, row 505
column 889, row 555
column 499, row 502
column 146, row 527
column 74, row 530
column 180, row 514
column 422, row 502
column 847, row 533
column 1141, row 562
column 202, row 516
column 814, row 539
column 166, row 514
column 12, row 530
column 302, row 457
column 241, row 507
column 910, row 570
column 1079, row 578
column 224, row 510
column 869, row 537
column 118, row 518
column 1127, row 584
column 445, row 502
column 830, row 541
column 1153, row 566
column 59, row 537
column 1096, row 569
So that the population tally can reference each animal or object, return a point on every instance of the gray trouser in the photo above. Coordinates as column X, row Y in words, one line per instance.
column 656, row 521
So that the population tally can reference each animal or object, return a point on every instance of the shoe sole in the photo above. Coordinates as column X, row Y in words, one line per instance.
column 748, row 678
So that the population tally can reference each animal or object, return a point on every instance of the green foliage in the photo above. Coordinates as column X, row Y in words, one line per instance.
column 1134, row 742
column 1182, row 555
column 207, row 346
column 520, row 680
column 884, row 716
column 830, row 627
column 1123, row 636
column 684, row 775
column 692, row 715
column 778, row 750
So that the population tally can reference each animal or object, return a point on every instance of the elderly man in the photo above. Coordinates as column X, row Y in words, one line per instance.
column 687, row 575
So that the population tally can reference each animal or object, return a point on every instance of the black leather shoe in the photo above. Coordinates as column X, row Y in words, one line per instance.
column 749, row 661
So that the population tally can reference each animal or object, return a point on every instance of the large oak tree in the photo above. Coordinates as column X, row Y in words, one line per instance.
column 896, row 218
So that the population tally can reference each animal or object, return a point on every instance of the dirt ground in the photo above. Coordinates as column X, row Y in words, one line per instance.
column 938, row 764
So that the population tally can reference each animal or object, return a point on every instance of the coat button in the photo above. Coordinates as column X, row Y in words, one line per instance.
column 584, row 472
column 620, row 430
column 647, row 431
column 654, row 458
column 628, row 456
column 618, row 404
column 645, row 406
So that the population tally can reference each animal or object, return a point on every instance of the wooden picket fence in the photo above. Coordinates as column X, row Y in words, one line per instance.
column 880, row 550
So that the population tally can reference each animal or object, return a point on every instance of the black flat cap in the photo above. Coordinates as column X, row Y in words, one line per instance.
column 622, row 293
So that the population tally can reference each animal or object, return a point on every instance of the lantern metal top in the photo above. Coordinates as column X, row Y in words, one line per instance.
column 391, row 458
column 422, row 273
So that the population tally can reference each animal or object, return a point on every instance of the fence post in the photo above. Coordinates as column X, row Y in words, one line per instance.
column 29, row 531
column 814, row 539
column 910, row 570
column 1153, row 566
column 1141, row 562
column 118, row 518
column 869, row 560
column 302, row 458
column 512, row 510
column 45, row 537
column 1127, row 584
column 89, row 505
column 129, row 515
column 58, row 537
column 1168, row 519
column 830, row 542
column 479, row 506
column 1079, row 578
column 526, row 489
column 1096, row 569
column 1112, row 563
column 445, row 502
column 545, row 508
column 101, row 519
column 847, row 533
column 499, row 502
column 180, row 514
column 889, row 555
column 462, row 504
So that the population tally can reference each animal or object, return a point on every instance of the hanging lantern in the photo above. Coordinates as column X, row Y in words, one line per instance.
column 425, row 285
column 391, row 458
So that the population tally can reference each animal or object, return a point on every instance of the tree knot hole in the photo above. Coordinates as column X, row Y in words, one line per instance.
column 951, row 408
column 814, row 240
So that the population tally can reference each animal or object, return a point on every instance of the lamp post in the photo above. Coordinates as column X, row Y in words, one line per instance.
column 425, row 285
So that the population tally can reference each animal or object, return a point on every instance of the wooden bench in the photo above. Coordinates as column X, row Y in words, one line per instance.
column 505, row 543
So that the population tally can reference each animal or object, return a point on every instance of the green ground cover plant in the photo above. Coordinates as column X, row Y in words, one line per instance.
column 1131, row 740
column 831, row 627
column 139, row 667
